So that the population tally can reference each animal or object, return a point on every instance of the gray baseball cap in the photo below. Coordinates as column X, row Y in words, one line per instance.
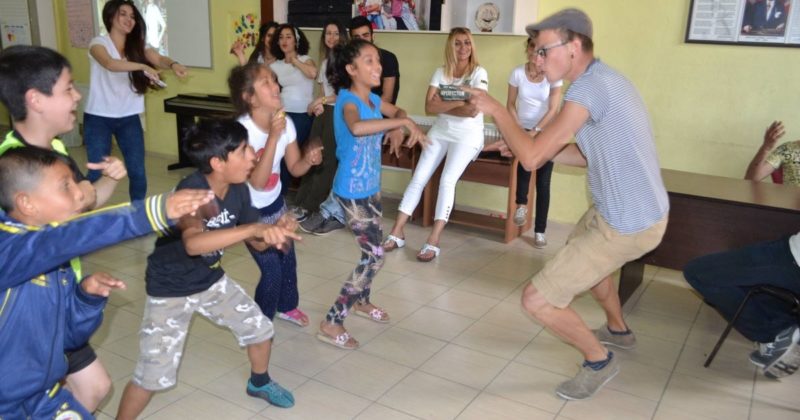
column 573, row 19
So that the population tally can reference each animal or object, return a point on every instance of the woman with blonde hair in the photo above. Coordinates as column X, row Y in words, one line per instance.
column 457, row 133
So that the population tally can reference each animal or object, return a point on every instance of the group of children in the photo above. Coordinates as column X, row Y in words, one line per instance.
column 234, row 196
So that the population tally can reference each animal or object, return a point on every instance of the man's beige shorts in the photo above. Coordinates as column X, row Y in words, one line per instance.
column 593, row 251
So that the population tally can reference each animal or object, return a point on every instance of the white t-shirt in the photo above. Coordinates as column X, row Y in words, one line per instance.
column 459, row 129
column 297, row 90
column 265, row 196
column 794, row 246
column 111, row 94
column 322, row 79
column 532, row 98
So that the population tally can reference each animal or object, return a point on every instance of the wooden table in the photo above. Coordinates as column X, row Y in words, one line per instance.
column 711, row 214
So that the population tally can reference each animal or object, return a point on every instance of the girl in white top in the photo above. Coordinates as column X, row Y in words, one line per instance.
column 457, row 133
column 255, row 94
column 122, row 69
column 533, row 101
column 261, row 53
column 316, row 184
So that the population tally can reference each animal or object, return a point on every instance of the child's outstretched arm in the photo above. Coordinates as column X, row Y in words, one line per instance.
column 27, row 251
column 396, row 136
column 198, row 241
column 299, row 162
column 85, row 307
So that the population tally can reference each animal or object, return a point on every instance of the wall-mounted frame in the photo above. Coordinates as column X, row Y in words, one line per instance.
column 774, row 23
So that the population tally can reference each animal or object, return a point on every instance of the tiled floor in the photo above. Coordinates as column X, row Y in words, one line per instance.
column 458, row 345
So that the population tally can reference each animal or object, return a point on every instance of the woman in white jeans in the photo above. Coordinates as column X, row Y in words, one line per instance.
column 457, row 133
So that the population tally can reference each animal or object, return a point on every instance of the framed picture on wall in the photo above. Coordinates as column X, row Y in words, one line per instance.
column 745, row 22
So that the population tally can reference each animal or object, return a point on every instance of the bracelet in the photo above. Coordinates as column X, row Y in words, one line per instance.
column 324, row 100
column 173, row 63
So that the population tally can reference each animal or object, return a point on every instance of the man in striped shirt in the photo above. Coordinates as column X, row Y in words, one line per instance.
column 609, row 120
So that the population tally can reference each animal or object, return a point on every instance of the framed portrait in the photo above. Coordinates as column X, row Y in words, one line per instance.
column 774, row 23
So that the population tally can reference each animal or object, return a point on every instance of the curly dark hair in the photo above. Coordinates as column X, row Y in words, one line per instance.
column 301, row 42
column 341, row 57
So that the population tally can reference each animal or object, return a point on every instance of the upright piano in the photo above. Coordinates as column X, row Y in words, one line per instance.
column 187, row 108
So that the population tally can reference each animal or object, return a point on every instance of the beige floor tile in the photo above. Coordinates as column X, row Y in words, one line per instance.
column 428, row 397
column 447, row 274
column 529, row 385
column 658, row 326
column 641, row 380
column 511, row 315
column 550, row 353
column 201, row 405
column 325, row 293
column 515, row 265
column 363, row 374
column 397, row 308
column 462, row 365
column 672, row 413
column 381, row 412
column 726, row 370
column 786, row 389
column 706, row 336
column 486, row 285
column 696, row 396
column 118, row 367
column 610, row 404
column 325, row 267
column 670, row 300
column 315, row 400
column 307, row 282
column 765, row 408
column 652, row 352
column 436, row 323
column 404, row 347
column 414, row 290
column 494, row 339
column 127, row 347
column 305, row 355
column 464, row 303
column 488, row 406
column 232, row 386
column 117, row 323
column 160, row 399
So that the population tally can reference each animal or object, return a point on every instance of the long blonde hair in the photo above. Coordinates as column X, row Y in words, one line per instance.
column 450, row 59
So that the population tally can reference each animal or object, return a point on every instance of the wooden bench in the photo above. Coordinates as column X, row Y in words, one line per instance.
column 491, row 169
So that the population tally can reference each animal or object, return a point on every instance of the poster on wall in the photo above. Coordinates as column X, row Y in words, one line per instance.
column 396, row 15
column 18, row 33
column 745, row 22
column 79, row 22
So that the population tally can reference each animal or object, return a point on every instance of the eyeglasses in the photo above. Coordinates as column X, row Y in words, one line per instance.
column 542, row 52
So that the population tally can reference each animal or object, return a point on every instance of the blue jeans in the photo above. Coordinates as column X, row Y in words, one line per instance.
column 331, row 209
column 97, row 133
column 724, row 279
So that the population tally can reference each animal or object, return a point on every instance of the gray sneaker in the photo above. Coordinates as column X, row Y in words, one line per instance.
column 312, row 222
column 328, row 226
column 622, row 341
column 588, row 381
column 519, row 215
column 785, row 357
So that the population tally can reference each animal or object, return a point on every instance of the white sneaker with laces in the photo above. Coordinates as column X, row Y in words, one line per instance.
column 539, row 240
column 520, row 215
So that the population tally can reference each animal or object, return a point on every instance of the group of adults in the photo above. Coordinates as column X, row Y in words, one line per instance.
column 602, row 110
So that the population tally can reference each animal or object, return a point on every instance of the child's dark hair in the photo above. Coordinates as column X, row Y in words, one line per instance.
column 260, row 47
column 358, row 22
column 134, row 42
column 338, row 61
column 21, row 170
column 240, row 84
column 301, row 42
column 212, row 139
column 24, row 67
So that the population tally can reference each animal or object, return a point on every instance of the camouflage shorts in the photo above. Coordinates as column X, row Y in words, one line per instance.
column 166, row 323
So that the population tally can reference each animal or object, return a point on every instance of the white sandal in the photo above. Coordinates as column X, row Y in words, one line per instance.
column 428, row 247
column 398, row 243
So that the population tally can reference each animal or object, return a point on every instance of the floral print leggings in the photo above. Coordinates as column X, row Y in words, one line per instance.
column 363, row 217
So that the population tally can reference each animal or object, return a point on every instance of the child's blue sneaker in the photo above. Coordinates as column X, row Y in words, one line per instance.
column 272, row 393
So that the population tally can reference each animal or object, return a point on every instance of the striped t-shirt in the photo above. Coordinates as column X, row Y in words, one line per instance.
column 623, row 172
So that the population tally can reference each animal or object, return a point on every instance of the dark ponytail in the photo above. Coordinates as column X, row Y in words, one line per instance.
column 342, row 56
column 134, row 42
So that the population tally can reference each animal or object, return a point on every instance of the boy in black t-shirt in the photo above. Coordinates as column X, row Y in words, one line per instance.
column 184, row 274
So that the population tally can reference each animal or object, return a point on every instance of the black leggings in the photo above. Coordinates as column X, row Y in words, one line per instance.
column 543, row 175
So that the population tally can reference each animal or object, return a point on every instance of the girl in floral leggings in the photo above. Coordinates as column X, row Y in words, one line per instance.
column 359, row 128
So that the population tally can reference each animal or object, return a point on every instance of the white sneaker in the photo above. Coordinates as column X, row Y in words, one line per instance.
column 520, row 215
column 539, row 240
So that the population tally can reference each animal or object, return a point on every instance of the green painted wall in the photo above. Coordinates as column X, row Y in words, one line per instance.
column 709, row 103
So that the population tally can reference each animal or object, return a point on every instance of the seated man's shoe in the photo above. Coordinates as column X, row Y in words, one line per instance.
column 784, row 357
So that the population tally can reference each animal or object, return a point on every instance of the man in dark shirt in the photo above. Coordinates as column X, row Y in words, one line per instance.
column 361, row 28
